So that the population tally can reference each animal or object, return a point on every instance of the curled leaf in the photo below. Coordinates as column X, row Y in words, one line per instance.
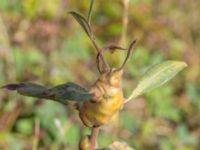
column 157, row 76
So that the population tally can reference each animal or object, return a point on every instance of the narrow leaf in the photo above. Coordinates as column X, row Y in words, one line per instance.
column 32, row 90
column 157, row 76
column 28, row 89
column 13, row 86
column 82, row 22
column 60, row 93
column 70, row 91
column 90, row 11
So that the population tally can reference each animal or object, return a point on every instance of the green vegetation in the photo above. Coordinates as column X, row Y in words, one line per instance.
column 40, row 42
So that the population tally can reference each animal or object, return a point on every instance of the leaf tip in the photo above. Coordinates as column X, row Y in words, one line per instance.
column 12, row 86
column 185, row 64
column 181, row 64
column 70, row 12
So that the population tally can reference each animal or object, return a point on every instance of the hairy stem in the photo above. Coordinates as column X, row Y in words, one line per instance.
column 93, row 137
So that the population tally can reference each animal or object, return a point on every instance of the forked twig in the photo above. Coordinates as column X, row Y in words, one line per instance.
column 111, row 48
column 105, row 65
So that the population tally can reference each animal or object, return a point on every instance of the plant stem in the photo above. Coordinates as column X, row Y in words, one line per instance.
column 123, row 40
column 37, row 133
column 100, row 51
column 93, row 137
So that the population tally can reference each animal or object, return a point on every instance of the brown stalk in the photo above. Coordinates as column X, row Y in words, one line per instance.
column 124, row 22
column 93, row 137
column 111, row 48
column 105, row 65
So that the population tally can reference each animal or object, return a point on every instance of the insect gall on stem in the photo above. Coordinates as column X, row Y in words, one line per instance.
column 108, row 98
column 101, row 103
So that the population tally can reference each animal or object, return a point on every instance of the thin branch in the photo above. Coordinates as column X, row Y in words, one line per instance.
column 128, row 55
column 100, row 53
column 93, row 138
column 98, row 63
column 124, row 22
column 111, row 48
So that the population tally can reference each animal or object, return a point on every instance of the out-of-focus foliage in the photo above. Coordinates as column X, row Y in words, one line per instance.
column 40, row 42
column 118, row 146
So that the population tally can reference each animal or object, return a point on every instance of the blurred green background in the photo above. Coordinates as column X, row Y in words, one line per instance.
column 40, row 42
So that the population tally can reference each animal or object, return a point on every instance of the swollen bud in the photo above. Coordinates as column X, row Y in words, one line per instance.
column 84, row 143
